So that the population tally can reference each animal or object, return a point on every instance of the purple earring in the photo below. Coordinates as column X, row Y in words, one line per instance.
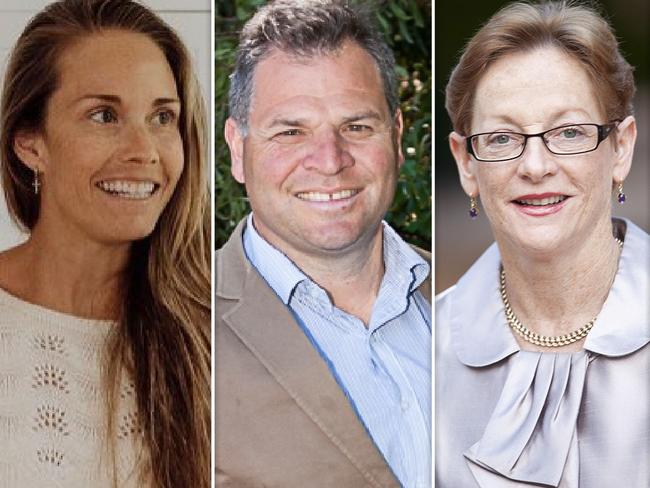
column 473, row 207
column 621, row 195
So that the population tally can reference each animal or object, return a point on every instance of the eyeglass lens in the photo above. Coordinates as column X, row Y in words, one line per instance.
column 562, row 140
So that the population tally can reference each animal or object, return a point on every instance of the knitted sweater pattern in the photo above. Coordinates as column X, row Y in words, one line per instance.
column 52, row 406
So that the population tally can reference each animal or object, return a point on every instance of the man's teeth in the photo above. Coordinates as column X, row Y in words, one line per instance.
column 128, row 189
column 314, row 196
column 543, row 201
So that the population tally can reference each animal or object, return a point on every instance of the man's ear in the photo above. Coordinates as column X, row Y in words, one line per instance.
column 235, row 140
column 29, row 146
column 468, row 179
column 399, row 129
column 625, row 134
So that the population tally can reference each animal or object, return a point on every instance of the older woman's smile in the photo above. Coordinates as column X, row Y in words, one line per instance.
column 540, row 205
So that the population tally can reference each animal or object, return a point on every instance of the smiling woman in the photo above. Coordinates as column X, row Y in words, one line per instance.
column 107, row 373
column 542, row 346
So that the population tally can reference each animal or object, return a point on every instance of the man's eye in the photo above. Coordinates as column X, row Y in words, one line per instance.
column 103, row 116
column 290, row 132
column 358, row 128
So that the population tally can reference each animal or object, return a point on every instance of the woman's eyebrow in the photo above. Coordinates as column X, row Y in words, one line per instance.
column 165, row 101
column 98, row 96
column 117, row 100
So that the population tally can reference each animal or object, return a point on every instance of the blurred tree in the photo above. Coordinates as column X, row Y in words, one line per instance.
column 407, row 27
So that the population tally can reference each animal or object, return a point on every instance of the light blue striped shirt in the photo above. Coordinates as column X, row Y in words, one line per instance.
column 385, row 369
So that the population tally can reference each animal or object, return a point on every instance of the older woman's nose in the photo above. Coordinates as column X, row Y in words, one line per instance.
column 537, row 161
column 138, row 145
column 329, row 154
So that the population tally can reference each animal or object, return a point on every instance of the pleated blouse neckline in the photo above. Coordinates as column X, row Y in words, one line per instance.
column 531, row 435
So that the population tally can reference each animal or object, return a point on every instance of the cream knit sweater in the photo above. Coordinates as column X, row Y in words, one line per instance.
column 52, row 409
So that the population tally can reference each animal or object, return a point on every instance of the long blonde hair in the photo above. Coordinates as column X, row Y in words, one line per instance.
column 163, row 338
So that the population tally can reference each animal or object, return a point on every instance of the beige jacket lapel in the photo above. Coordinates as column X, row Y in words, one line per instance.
column 268, row 329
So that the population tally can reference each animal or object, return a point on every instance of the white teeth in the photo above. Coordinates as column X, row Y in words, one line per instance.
column 136, row 190
column 543, row 201
column 314, row 196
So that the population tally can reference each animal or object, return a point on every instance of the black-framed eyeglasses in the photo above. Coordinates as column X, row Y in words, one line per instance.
column 565, row 140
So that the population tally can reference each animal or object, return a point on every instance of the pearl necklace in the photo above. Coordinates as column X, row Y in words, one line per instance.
column 534, row 338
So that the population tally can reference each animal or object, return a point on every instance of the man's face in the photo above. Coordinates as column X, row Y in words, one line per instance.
column 322, row 153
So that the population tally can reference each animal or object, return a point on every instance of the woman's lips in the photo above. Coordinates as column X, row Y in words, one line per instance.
column 540, row 205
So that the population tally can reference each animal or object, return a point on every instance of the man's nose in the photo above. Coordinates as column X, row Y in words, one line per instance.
column 329, row 154
column 537, row 161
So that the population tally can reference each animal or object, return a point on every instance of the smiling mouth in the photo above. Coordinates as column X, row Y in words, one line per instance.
column 132, row 190
column 315, row 196
column 542, row 202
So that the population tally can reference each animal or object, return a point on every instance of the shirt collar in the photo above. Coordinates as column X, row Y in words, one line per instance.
column 622, row 325
column 479, row 331
column 404, row 268
column 275, row 267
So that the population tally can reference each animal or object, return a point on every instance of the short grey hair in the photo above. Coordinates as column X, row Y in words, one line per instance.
column 306, row 28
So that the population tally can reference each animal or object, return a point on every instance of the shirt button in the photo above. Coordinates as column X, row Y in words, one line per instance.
column 404, row 405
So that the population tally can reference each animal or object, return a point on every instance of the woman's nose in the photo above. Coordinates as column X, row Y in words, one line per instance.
column 537, row 161
column 139, row 145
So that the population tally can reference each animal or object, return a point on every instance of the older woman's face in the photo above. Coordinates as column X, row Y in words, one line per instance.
column 111, row 152
column 540, row 200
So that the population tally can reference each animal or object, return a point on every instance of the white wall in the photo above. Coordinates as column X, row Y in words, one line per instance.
column 190, row 18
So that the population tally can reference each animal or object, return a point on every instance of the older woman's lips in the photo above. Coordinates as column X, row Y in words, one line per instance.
column 540, row 205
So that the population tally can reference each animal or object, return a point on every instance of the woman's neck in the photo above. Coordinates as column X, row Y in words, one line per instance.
column 555, row 295
column 81, row 279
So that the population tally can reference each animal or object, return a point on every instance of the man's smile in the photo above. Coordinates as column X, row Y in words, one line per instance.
column 319, row 196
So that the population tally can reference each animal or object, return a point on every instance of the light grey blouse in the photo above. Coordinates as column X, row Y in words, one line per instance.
column 510, row 418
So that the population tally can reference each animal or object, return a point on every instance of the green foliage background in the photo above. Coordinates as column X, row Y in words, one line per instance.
column 407, row 27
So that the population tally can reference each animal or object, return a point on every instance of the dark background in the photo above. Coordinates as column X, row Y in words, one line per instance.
column 460, row 240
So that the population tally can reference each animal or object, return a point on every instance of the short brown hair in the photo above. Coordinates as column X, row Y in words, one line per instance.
column 577, row 30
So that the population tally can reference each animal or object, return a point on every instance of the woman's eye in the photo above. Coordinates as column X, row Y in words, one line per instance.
column 570, row 133
column 104, row 116
column 165, row 117
column 500, row 139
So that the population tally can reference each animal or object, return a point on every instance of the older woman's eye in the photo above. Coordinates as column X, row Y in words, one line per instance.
column 571, row 133
column 500, row 139
column 103, row 116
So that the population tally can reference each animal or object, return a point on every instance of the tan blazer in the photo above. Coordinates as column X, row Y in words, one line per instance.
column 281, row 419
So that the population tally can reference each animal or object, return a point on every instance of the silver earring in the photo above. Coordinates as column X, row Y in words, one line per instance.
column 37, row 181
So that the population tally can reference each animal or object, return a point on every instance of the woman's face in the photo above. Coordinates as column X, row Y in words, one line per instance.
column 541, row 201
column 110, row 151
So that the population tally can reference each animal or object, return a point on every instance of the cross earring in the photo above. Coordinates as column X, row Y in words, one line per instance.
column 37, row 181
